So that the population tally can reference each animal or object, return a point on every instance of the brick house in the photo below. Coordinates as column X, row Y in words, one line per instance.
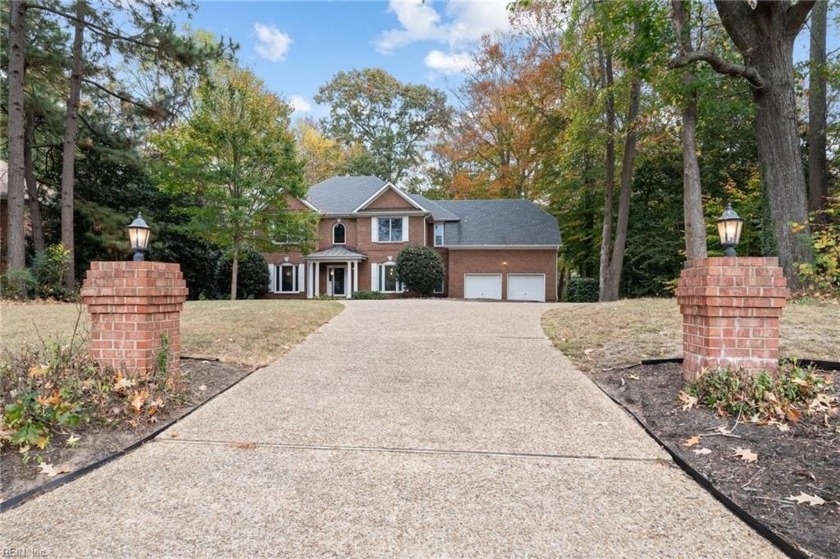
column 491, row 249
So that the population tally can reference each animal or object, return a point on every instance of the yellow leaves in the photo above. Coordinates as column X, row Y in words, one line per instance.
column 122, row 383
column 52, row 400
column 37, row 371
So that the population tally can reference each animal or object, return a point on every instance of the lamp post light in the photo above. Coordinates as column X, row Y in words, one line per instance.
column 138, row 235
column 729, row 229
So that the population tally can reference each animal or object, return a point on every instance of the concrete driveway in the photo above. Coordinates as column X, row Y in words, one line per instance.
column 400, row 429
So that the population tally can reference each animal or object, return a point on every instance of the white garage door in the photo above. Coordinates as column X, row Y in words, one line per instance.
column 526, row 287
column 483, row 286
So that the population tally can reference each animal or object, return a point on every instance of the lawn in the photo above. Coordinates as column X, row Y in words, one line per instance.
column 604, row 335
column 250, row 333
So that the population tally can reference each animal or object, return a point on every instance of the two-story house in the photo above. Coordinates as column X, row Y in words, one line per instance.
column 492, row 249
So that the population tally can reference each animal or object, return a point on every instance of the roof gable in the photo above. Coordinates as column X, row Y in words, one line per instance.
column 389, row 197
column 342, row 195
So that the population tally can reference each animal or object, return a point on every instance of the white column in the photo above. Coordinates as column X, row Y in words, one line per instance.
column 356, row 275
column 317, row 278
column 347, row 277
column 309, row 280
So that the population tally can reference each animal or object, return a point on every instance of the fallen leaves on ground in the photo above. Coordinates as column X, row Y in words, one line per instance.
column 687, row 399
column 243, row 445
column 51, row 471
column 746, row 454
column 691, row 441
column 804, row 498
column 702, row 451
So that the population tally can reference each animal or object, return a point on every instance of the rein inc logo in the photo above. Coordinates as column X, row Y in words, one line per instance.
column 21, row 552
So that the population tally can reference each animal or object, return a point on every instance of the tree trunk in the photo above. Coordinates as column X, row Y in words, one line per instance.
column 32, row 185
column 817, row 176
column 604, row 280
column 765, row 37
column 695, row 224
column 626, row 189
column 69, row 156
column 234, row 280
column 15, row 235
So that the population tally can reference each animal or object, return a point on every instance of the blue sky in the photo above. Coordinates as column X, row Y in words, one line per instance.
column 297, row 46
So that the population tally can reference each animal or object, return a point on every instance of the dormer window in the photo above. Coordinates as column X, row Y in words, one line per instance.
column 339, row 234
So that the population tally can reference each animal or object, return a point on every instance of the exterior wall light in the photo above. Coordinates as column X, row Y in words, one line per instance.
column 138, row 235
column 729, row 229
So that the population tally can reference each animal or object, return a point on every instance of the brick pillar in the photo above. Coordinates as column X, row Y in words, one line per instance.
column 731, row 308
column 131, row 305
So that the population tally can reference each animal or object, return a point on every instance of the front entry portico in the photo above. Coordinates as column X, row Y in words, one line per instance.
column 340, row 267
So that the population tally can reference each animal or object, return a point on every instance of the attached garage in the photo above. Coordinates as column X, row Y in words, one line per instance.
column 526, row 287
column 483, row 286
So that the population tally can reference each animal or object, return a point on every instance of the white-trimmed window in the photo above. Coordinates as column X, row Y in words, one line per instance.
column 438, row 234
column 388, row 282
column 287, row 278
column 440, row 288
column 391, row 229
column 339, row 234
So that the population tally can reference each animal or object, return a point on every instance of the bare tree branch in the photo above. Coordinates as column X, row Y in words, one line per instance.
column 797, row 14
column 720, row 66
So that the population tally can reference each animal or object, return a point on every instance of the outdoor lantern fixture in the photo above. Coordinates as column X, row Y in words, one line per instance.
column 138, row 234
column 729, row 229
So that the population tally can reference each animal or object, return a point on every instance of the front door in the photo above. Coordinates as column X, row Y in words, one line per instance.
column 335, row 281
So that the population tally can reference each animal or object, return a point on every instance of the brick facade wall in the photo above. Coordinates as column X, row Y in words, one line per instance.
column 132, row 305
column 505, row 262
column 731, row 309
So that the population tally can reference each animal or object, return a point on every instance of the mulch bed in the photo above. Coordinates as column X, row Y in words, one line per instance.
column 803, row 459
column 202, row 380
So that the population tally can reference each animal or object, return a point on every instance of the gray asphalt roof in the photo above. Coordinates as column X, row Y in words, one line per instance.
column 342, row 195
column 468, row 222
column 499, row 222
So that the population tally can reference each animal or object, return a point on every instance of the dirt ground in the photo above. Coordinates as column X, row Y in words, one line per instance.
column 796, row 458
column 202, row 379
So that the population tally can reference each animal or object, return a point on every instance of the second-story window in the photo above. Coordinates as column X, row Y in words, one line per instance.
column 339, row 234
column 390, row 229
column 438, row 234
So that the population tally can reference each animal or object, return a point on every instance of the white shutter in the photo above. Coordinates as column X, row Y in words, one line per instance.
column 374, row 277
column 374, row 228
column 272, row 277
column 405, row 229
column 301, row 282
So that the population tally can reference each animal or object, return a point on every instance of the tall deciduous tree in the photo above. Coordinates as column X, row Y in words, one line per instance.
column 817, row 116
column 695, row 226
column 16, row 76
column 764, row 32
column 236, row 154
column 392, row 120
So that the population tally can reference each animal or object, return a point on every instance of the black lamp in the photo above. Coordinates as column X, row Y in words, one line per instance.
column 729, row 229
column 138, row 234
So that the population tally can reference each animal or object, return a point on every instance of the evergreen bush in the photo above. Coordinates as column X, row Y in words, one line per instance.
column 420, row 269
column 582, row 290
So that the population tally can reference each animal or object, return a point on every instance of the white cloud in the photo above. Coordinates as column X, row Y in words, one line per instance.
column 452, row 63
column 299, row 104
column 464, row 21
column 272, row 44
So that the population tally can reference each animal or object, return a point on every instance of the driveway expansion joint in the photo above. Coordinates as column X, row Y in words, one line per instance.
column 409, row 450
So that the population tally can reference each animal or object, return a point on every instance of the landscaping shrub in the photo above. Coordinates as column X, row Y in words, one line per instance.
column 252, row 280
column 793, row 391
column 582, row 290
column 18, row 284
column 368, row 295
column 48, row 269
column 420, row 269
column 50, row 391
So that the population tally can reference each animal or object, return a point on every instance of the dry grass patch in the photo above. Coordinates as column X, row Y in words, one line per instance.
column 603, row 335
column 251, row 333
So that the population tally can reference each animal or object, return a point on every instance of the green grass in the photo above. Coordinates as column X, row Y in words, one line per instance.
column 252, row 333
column 604, row 335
